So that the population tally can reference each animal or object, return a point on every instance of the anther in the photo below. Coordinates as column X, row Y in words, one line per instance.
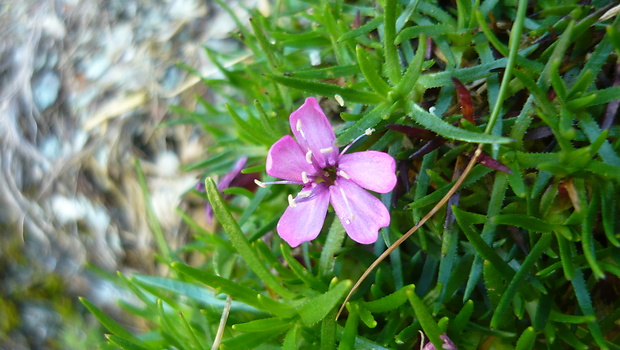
column 340, row 100
column 260, row 183
column 343, row 174
column 291, row 201
column 304, row 177
column 304, row 194
column 309, row 157
column 327, row 150
column 298, row 125
column 369, row 131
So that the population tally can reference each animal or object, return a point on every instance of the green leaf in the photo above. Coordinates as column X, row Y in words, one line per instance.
column 364, row 29
column 424, row 316
column 527, row 339
column 315, row 309
column 500, row 316
column 392, row 61
column 524, row 221
column 349, row 95
column 441, row 127
column 371, row 72
column 112, row 325
column 263, row 325
column 461, row 320
column 123, row 344
column 431, row 30
column 369, row 120
column 300, row 271
column 249, row 340
column 389, row 302
column 240, row 241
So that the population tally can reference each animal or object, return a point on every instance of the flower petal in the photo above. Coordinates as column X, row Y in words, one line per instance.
column 313, row 132
column 287, row 161
column 373, row 170
column 361, row 213
column 303, row 222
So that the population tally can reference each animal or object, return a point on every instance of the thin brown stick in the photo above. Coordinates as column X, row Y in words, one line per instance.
column 430, row 214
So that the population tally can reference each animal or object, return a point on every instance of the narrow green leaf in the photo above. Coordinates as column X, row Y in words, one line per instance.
column 364, row 29
column 524, row 221
column 240, row 241
column 290, row 340
column 566, row 257
column 431, row 30
column 369, row 120
column 265, row 45
column 441, row 127
column 608, row 213
column 527, row 339
column 328, row 331
column 371, row 72
column 494, row 284
column 263, row 325
column 424, row 316
column 389, row 302
column 123, row 344
column 392, row 61
column 153, row 220
column 460, row 321
column 110, row 324
column 558, row 317
column 350, row 95
column 595, row 98
column 406, row 85
column 248, row 340
column 237, row 291
column 350, row 328
column 300, row 271
column 585, row 304
column 315, row 309
column 587, row 235
column 500, row 316
column 333, row 243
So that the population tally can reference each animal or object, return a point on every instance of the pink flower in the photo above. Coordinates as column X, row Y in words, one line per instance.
column 447, row 343
column 328, row 176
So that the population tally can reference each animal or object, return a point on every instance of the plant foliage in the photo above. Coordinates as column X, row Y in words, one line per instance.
column 525, row 255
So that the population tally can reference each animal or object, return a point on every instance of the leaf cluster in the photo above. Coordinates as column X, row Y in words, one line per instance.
column 526, row 258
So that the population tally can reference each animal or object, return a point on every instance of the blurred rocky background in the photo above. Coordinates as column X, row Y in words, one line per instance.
column 85, row 86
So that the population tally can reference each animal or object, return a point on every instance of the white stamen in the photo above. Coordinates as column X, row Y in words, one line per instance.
column 298, row 125
column 432, row 109
column 309, row 157
column 346, row 202
column 339, row 99
column 304, row 194
column 343, row 174
column 327, row 150
column 260, row 183
column 304, row 177
column 291, row 201
column 369, row 131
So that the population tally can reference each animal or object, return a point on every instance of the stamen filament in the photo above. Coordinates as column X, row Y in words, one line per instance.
column 283, row 182
column 367, row 132
column 347, row 220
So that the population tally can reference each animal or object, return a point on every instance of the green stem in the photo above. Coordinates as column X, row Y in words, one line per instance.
column 515, row 36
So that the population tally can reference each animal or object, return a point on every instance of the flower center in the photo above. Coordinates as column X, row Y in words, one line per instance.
column 329, row 175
